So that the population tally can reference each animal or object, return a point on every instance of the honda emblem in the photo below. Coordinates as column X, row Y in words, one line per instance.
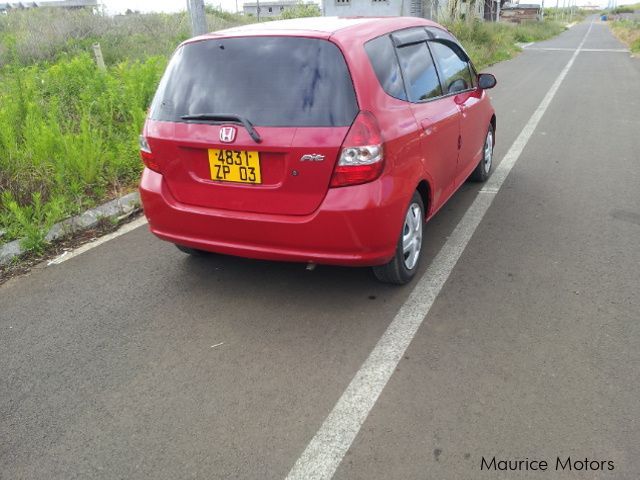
column 227, row 134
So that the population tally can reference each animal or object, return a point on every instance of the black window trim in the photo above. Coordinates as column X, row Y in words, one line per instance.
column 421, row 36
column 430, row 38
column 404, row 82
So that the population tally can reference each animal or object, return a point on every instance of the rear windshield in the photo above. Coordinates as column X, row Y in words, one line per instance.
column 271, row 81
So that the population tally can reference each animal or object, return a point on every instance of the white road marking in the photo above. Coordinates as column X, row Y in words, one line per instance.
column 527, row 44
column 88, row 246
column 620, row 50
column 325, row 451
column 562, row 49
column 554, row 49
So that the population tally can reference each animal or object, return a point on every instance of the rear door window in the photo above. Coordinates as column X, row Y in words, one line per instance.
column 419, row 70
column 272, row 81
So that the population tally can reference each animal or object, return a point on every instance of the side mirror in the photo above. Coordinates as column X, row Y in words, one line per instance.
column 486, row 81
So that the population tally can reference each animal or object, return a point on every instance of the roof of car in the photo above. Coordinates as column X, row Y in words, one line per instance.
column 323, row 27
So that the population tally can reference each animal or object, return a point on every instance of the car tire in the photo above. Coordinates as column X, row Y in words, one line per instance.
column 402, row 268
column 483, row 169
column 194, row 252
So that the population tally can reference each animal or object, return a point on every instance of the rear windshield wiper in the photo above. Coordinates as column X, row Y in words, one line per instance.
column 223, row 117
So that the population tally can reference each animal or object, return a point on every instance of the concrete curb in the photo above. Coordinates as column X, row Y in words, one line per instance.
column 113, row 209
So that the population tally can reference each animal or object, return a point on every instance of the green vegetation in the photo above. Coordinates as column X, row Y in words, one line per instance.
column 69, row 131
column 625, row 9
column 626, row 27
column 68, row 136
column 488, row 43
column 567, row 15
column 302, row 10
column 43, row 34
column 628, row 31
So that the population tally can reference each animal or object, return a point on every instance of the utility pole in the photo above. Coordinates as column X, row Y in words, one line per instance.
column 198, row 17
column 258, row 9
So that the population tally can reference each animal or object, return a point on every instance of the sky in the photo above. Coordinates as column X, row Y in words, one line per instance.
column 120, row 6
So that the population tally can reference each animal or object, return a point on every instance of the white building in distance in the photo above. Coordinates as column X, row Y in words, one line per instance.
column 268, row 9
column 437, row 10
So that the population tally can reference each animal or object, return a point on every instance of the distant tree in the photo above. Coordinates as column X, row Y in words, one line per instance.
column 219, row 13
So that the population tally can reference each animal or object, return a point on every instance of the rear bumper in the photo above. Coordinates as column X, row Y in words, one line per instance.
column 356, row 226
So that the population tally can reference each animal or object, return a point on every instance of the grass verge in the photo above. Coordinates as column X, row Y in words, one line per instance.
column 68, row 130
column 489, row 43
column 628, row 31
column 68, row 138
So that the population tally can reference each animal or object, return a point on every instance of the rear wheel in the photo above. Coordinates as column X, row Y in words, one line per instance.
column 192, row 251
column 483, row 170
column 402, row 268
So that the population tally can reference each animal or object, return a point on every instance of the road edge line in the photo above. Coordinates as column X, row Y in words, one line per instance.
column 96, row 243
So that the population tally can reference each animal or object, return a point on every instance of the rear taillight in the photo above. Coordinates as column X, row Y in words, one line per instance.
column 361, row 158
column 147, row 155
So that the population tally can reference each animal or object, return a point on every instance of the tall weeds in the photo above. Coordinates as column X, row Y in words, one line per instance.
column 68, row 135
column 68, row 131
column 489, row 43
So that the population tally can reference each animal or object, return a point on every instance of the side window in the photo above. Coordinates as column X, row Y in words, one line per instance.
column 420, row 76
column 455, row 72
column 383, row 59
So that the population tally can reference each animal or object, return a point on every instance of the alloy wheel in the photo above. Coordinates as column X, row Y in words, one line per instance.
column 412, row 236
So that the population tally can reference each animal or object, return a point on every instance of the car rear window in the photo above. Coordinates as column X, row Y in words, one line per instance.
column 271, row 81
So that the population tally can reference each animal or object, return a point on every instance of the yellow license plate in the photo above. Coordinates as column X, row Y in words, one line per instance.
column 234, row 166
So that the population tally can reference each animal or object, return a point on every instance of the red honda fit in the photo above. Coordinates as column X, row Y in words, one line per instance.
column 319, row 140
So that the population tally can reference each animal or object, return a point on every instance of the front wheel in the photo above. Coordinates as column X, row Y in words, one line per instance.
column 402, row 268
column 483, row 170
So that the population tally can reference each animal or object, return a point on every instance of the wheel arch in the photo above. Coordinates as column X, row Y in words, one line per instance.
column 424, row 189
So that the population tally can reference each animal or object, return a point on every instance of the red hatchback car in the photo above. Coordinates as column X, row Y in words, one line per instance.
column 316, row 140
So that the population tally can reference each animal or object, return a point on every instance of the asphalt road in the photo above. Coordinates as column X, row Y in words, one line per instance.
column 134, row 361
